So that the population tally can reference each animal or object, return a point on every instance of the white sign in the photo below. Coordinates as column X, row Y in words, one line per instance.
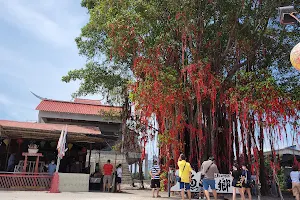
column 73, row 182
column 223, row 183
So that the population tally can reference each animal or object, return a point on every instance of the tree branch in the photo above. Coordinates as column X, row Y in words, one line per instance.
column 234, row 69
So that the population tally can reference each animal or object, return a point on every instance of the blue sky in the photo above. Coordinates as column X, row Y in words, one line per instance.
column 37, row 49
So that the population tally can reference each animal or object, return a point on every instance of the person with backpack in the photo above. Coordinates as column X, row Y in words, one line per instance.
column 185, row 176
column 208, row 171
column 246, row 181
column 236, row 182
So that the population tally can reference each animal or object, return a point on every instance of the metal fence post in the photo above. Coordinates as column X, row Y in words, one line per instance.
column 169, row 185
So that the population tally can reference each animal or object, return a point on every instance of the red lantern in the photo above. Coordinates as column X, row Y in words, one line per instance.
column 83, row 149
column 20, row 141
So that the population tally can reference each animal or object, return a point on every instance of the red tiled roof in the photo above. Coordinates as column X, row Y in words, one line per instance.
column 74, row 107
column 88, row 101
column 50, row 127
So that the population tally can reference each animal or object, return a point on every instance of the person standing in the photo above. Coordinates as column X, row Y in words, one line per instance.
column 172, row 177
column 208, row 171
column 246, row 181
column 295, row 177
column 51, row 168
column 107, row 178
column 119, row 177
column 11, row 162
column 185, row 176
column 236, row 182
column 155, row 179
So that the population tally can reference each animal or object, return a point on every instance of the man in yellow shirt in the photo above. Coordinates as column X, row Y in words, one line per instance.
column 185, row 175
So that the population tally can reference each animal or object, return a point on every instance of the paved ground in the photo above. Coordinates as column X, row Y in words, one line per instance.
column 128, row 195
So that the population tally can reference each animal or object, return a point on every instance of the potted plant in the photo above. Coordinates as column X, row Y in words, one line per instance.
column 33, row 148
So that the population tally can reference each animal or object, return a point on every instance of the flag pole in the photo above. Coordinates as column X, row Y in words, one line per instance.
column 61, row 151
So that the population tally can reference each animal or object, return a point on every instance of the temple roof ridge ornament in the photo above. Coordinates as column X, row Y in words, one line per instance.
column 39, row 97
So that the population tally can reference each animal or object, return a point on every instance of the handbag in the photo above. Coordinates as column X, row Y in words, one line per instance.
column 239, row 183
column 203, row 175
column 246, row 182
column 178, row 177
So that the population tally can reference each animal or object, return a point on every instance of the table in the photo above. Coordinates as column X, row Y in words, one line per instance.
column 37, row 155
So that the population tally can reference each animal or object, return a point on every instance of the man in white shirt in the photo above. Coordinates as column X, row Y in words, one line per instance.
column 119, row 177
column 295, row 177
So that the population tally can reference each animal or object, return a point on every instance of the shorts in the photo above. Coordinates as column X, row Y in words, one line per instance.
column 296, row 189
column 186, row 186
column 119, row 180
column 107, row 179
column 236, row 183
column 155, row 183
column 247, row 185
column 209, row 183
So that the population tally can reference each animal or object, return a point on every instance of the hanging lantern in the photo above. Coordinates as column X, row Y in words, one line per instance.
column 295, row 56
column 42, row 143
column 20, row 141
column 83, row 149
column 6, row 142
column 70, row 145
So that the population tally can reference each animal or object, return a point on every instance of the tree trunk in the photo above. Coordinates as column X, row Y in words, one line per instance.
column 244, row 145
column 263, row 180
column 249, row 144
column 141, row 174
column 236, row 142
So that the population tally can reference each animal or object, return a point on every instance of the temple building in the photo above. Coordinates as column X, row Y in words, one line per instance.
column 93, row 131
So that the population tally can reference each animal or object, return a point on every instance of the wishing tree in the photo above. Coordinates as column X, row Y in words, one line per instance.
column 215, row 74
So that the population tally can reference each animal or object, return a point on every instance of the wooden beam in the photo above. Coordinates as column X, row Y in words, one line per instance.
column 72, row 137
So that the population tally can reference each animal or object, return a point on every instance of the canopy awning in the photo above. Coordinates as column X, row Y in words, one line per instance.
column 292, row 150
column 50, row 132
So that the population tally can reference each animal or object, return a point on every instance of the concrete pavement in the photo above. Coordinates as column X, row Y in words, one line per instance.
column 127, row 195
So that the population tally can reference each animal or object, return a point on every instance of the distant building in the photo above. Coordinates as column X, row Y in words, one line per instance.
column 287, row 155
column 91, row 125
column 82, row 112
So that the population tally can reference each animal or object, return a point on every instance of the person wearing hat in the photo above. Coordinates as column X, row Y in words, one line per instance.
column 208, row 171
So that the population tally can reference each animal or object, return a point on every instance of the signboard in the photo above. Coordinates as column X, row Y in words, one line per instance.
column 223, row 183
column 73, row 182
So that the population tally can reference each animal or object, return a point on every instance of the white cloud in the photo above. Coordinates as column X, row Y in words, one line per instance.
column 4, row 100
column 36, row 61
column 35, row 75
column 58, row 27
column 46, row 53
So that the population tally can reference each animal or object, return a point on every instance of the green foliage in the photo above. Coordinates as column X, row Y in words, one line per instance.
column 281, row 179
column 99, row 79
column 111, row 114
column 215, row 30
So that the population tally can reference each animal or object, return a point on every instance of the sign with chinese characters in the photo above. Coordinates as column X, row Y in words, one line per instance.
column 223, row 183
